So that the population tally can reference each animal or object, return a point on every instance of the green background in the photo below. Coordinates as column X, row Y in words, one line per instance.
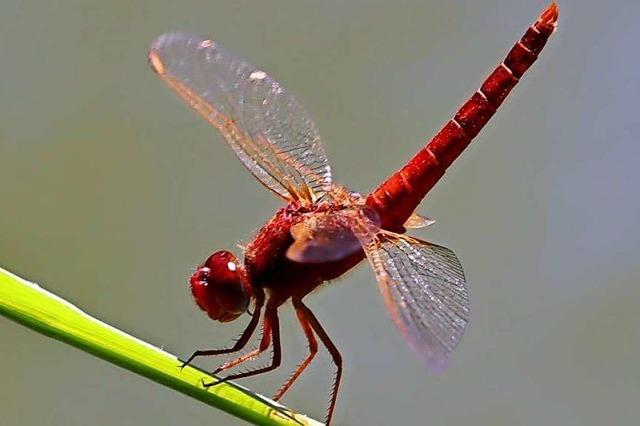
column 111, row 191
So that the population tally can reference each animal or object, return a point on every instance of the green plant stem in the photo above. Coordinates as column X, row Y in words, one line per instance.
column 46, row 313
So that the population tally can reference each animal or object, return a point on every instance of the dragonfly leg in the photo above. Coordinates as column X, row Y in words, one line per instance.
column 333, row 351
column 240, row 343
column 271, row 334
column 313, row 349
column 265, row 342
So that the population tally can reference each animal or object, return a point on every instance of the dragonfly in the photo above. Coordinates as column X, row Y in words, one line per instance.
column 325, row 229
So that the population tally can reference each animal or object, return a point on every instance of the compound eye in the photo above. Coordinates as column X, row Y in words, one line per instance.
column 224, row 264
column 218, row 289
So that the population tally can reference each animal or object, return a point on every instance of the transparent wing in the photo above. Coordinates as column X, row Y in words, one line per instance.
column 332, row 236
column 424, row 289
column 265, row 126
column 422, row 284
column 417, row 221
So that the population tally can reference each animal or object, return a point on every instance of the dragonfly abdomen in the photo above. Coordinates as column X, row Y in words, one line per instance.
column 399, row 195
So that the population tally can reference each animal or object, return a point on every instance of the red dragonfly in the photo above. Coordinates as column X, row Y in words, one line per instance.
column 324, row 229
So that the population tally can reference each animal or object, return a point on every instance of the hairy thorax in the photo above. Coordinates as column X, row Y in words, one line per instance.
column 266, row 256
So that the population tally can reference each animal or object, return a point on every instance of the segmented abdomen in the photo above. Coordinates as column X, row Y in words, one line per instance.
column 399, row 195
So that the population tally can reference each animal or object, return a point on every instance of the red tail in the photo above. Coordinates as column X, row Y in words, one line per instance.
column 399, row 195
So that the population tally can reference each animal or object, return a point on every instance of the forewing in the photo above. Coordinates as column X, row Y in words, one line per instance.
column 424, row 288
column 332, row 236
column 266, row 127
column 320, row 238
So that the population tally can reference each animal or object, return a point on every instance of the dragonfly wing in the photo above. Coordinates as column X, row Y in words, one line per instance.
column 266, row 127
column 332, row 236
column 320, row 238
column 417, row 221
column 424, row 288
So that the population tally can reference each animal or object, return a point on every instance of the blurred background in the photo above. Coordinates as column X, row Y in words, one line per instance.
column 112, row 191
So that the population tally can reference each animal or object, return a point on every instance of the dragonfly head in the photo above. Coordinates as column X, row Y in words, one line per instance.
column 220, row 287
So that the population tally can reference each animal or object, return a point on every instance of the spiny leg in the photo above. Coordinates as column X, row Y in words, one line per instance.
column 271, row 327
column 239, row 344
column 313, row 349
column 335, row 354
column 265, row 341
